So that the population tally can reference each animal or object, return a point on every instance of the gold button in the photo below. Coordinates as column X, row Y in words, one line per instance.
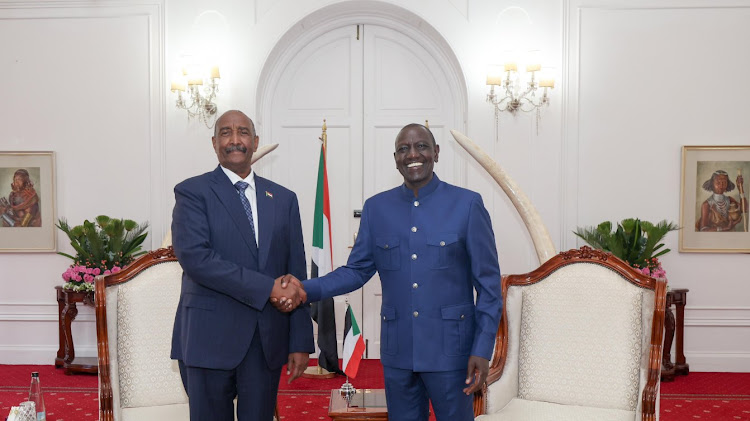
column 413, row 257
column 416, row 203
column 442, row 244
column 416, row 314
column 385, row 246
column 414, row 285
column 413, row 229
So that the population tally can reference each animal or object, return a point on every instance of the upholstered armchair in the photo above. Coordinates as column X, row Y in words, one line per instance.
column 135, row 311
column 580, row 339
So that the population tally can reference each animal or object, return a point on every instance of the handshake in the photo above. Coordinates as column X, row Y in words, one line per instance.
column 287, row 293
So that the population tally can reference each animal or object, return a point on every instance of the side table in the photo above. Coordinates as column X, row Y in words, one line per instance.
column 366, row 405
column 67, row 312
column 674, row 329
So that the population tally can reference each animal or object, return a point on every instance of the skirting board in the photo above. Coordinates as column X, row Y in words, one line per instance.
column 27, row 354
column 730, row 362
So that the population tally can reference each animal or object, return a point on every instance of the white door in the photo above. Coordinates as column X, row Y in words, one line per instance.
column 367, row 82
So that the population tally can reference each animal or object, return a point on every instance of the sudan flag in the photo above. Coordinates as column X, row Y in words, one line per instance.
column 322, row 312
column 354, row 344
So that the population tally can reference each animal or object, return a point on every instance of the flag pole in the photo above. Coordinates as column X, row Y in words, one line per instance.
column 319, row 372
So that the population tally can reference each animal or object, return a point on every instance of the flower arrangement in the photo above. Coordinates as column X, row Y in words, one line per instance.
column 634, row 241
column 102, row 247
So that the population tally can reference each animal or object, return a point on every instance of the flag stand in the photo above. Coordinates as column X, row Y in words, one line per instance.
column 317, row 372
column 347, row 390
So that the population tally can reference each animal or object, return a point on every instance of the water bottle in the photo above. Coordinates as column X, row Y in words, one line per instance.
column 35, row 395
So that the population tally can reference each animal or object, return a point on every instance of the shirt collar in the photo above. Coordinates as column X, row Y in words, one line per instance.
column 424, row 191
column 234, row 178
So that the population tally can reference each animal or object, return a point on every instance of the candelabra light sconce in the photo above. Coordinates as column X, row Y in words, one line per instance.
column 196, row 92
column 525, row 92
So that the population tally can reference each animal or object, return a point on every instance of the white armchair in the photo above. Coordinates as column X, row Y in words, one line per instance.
column 580, row 339
column 135, row 312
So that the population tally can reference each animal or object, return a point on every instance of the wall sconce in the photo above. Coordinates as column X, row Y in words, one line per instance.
column 518, row 91
column 196, row 92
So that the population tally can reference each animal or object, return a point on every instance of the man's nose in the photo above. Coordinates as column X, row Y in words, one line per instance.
column 412, row 152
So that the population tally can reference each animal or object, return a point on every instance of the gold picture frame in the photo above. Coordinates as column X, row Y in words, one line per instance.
column 27, row 202
column 713, row 210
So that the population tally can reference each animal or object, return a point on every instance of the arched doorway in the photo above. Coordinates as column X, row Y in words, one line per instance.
column 368, row 68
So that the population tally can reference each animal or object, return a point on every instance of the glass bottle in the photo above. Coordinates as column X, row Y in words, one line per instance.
column 35, row 395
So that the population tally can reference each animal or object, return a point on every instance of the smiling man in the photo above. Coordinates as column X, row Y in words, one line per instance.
column 432, row 245
column 235, row 234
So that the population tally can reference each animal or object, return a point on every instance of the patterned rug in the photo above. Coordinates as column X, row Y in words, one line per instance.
column 697, row 396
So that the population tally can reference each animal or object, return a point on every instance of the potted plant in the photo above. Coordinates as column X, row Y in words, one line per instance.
column 634, row 241
column 102, row 247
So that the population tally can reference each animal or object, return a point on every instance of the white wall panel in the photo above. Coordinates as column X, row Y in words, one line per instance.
column 645, row 78
column 85, row 81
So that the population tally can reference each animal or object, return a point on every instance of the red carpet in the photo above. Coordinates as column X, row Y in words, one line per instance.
column 697, row 396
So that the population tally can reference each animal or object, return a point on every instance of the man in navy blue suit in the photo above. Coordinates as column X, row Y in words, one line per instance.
column 432, row 245
column 235, row 234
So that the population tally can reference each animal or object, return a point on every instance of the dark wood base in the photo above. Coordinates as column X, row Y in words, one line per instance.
column 674, row 329
column 67, row 312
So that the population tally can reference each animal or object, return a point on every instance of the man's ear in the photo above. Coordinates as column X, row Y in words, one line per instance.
column 437, row 152
column 256, row 141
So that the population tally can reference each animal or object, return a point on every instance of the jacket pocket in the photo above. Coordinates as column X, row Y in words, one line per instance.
column 388, row 331
column 198, row 301
column 387, row 253
column 442, row 249
column 458, row 329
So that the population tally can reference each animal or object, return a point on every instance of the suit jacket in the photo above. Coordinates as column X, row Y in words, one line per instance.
column 227, row 279
column 432, row 252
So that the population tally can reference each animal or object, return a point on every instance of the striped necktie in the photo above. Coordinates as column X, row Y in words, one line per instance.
column 241, row 186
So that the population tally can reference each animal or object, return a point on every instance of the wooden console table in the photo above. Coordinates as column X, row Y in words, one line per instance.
column 678, row 298
column 66, row 354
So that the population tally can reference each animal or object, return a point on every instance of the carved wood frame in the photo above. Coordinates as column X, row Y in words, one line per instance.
column 586, row 255
column 106, row 403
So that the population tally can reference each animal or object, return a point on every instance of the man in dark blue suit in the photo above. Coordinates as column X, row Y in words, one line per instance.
column 235, row 234
column 432, row 245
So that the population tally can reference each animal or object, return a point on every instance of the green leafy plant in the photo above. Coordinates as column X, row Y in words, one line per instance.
column 634, row 241
column 104, row 246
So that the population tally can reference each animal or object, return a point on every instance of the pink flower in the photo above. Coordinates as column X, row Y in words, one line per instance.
column 646, row 271
column 97, row 271
column 116, row 269
column 107, row 272
column 88, row 278
column 66, row 276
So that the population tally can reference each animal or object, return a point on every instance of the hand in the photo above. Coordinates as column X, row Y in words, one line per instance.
column 476, row 373
column 287, row 293
column 296, row 365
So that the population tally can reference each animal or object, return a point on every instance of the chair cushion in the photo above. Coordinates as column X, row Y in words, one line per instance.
column 146, row 308
column 523, row 410
column 574, row 357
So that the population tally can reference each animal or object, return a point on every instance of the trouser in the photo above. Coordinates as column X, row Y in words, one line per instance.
column 212, row 392
column 409, row 393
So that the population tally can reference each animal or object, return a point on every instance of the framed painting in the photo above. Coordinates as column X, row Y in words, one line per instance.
column 27, row 202
column 713, row 204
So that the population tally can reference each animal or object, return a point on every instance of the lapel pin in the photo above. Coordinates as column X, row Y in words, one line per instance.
column 268, row 194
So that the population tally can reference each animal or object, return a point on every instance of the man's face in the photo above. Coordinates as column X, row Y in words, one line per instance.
column 235, row 142
column 415, row 156
column 720, row 183
column 17, row 183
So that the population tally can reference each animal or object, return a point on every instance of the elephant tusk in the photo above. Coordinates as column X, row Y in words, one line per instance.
column 543, row 245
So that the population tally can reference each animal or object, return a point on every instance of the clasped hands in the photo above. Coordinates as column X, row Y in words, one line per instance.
column 287, row 293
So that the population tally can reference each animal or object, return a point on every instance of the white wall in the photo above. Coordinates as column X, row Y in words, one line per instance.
column 608, row 147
